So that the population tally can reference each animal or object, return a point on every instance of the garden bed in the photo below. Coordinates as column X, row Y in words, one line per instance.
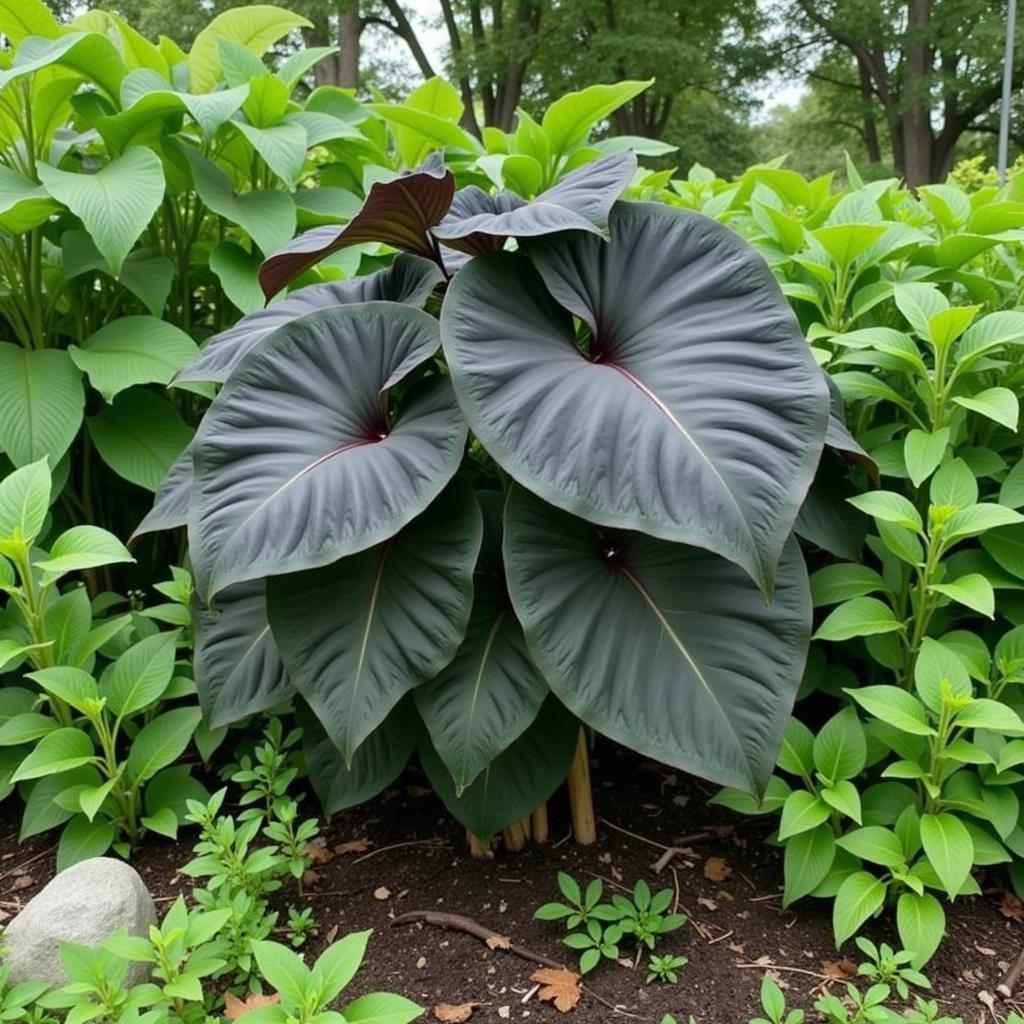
column 418, row 854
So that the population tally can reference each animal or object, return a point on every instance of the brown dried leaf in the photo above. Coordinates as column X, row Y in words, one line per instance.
column 839, row 970
column 1011, row 907
column 22, row 882
column 560, row 987
column 310, row 877
column 707, row 903
column 452, row 1014
column 235, row 1007
column 317, row 850
column 716, row 869
column 737, row 947
column 332, row 934
column 499, row 942
column 353, row 846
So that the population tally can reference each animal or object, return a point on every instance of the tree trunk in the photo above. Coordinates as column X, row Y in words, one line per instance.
column 326, row 72
column 917, row 129
column 871, row 142
column 350, row 28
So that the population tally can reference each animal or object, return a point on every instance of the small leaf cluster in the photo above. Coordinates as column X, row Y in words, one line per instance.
column 596, row 928
column 102, row 707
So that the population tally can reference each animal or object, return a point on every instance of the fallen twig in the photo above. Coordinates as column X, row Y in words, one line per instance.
column 1009, row 980
column 398, row 846
column 711, row 833
column 782, row 967
column 459, row 923
column 25, row 863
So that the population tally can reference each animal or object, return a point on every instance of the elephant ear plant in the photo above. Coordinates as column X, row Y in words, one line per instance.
column 569, row 499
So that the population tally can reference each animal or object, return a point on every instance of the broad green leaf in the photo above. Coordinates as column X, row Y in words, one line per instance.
column 41, row 811
column 138, row 678
column 164, row 822
column 357, row 635
column 282, row 146
column 237, row 665
column 895, row 706
column 949, row 849
column 860, row 895
column 58, row 751
column 520, row 779
column 837, row 583
column 92, row 798
column 132, row 350
column 268, row 217
column 980, row 519
column 24, row 502
column 954, row 484
column 568, row 121
column 256, row 27
column 491, row 691
column 83, row 547
column 577, row 591
column 945, row 326
column 862, row 616
column 992, row 715
column 889, row 507
column 937, row 671
column 41, row 403
column 238, row 273
column 382, row 1008
column 808, row 858
column 922, row 453
column 919, row 303
column 802, row 811
column 796, row 755
column 988, row 335
column 365, row 488
column 22, row 18
column 140, row 437
column 91, row 54
column 973, row 591
column 437, row 132
column 840, row 748
column 845, row 798
column 874, row 844
column 337, row 965
column 1011, row 492
column 161, row 742
column 647, row 297
column 115, row 203
column 845, row 242
column 83, row 839
column 267, row 102
column 23, row 204
column 999, row 404
column 377, row 763
column 921, row 923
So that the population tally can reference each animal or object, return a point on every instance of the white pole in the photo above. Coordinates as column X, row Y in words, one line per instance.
column 1004, row 115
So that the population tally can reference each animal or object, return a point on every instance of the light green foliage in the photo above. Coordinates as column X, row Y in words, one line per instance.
column 92, row 727
column 596, row 929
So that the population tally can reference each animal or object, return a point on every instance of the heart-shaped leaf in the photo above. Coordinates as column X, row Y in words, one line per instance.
column 689, row 337
column 239, row 671
column 490, row 693
column 298, row 463
column 408, row 280
column 582, row 201
column 357, row 635
column 664, row 647
column 400, row 212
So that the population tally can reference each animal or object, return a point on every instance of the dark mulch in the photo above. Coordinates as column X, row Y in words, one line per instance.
column 417, row 860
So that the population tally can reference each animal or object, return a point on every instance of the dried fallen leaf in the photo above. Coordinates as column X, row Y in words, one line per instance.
column 316, row 850
column 1011, row 907
column 560, row 987
column 839, row 970
column 498, row 942
column 310, row 877
column 383, row 893
column 353, row 846
column 985, row 950
column 504, row 1012
column 707, row 903
column 235, row 1007
column 22, row 882
column 737, row 947
column 716, row 869
column 452, row 1014
column 332, row 934
column 421, row 963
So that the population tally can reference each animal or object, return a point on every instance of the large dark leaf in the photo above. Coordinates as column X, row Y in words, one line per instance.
column 297, row 463
column 490, row 693
column 826, row 518
column 170, row 506
column 377, row 763
column 664, row 647
column 408, row 280
column 238, row 669
column 399, row 212
column 517, row 781
column 357, row 635
column 478, row 222
column 698, row 415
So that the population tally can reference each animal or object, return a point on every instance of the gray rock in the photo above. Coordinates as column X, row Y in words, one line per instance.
column 86, row 904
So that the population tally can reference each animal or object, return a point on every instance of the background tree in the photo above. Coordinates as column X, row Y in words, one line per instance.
column 930, row 68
